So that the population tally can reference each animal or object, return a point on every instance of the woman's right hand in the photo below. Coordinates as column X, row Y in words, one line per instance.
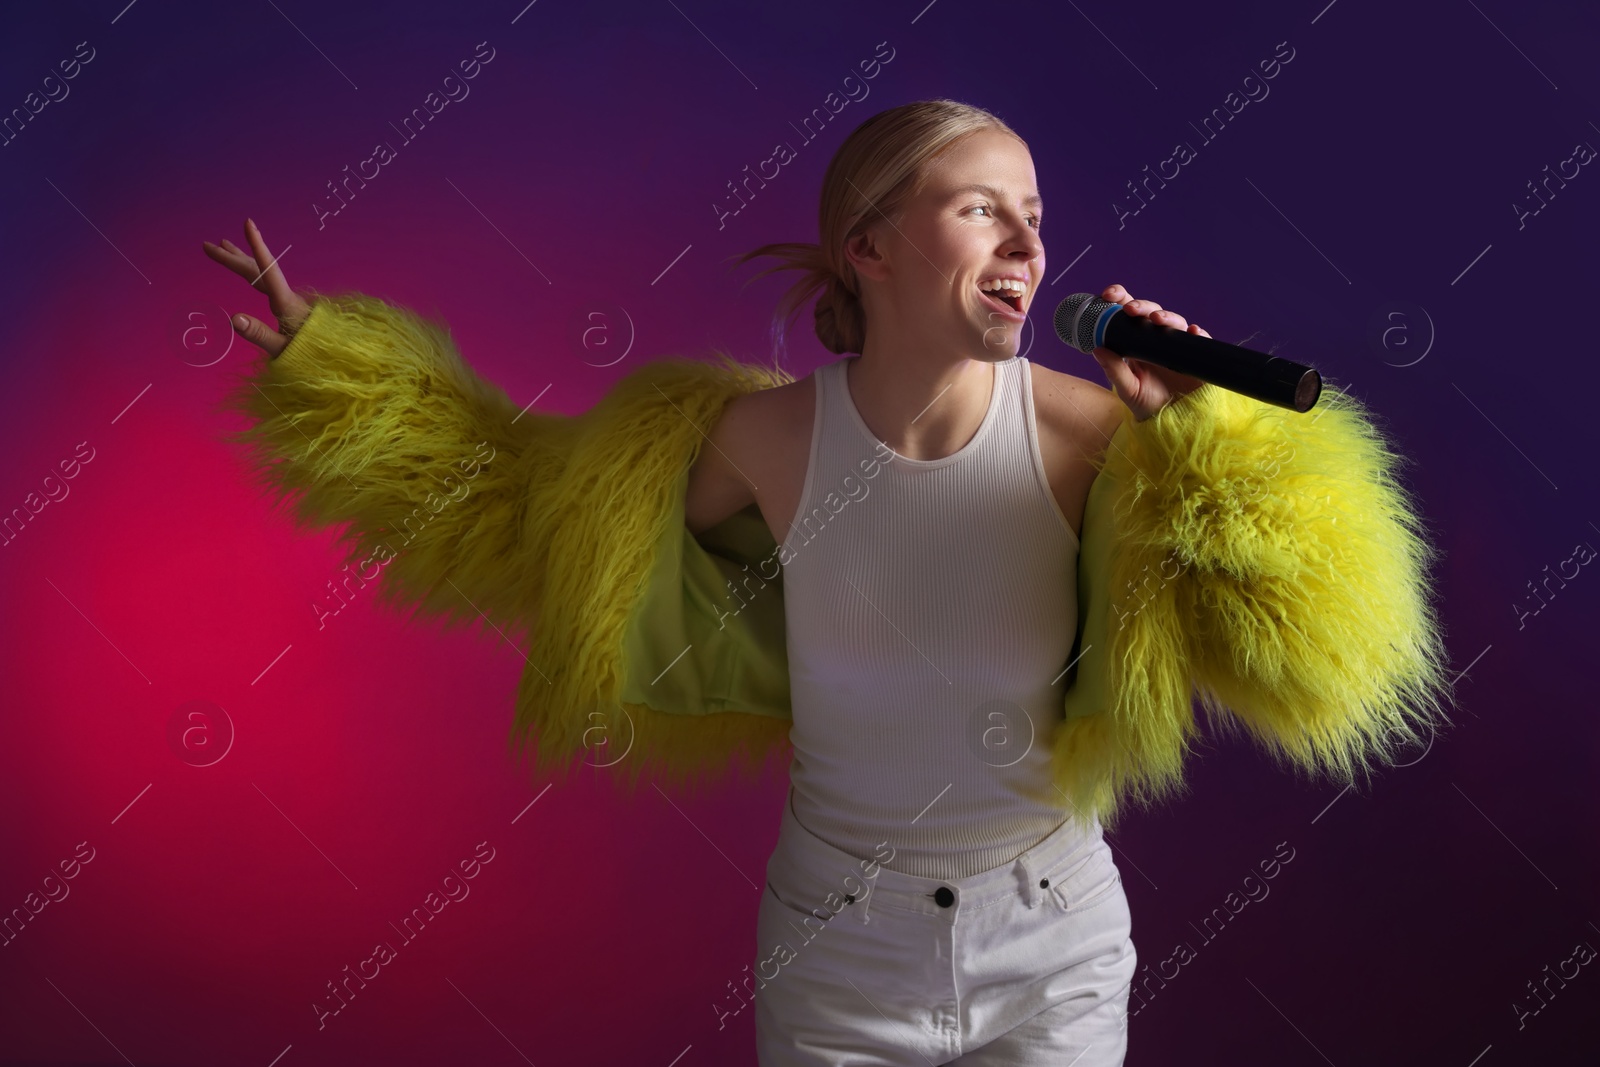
column 263, row 273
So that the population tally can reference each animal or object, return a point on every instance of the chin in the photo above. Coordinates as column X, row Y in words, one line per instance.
column 1000, row 342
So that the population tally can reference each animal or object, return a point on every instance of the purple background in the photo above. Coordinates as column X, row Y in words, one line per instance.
column 1379, row 174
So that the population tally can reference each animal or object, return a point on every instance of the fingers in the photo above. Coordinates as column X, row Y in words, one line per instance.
column 248, row 265
column 261, row 270
column 256, row 332
column 1117, row 294
column 230, row 256
column 272, row 281
column 243, row 264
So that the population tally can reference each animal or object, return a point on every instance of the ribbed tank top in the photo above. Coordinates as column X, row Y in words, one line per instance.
column 931, row 607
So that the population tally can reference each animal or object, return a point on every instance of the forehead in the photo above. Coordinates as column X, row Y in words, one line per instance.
column 989, row 163
column 994, row 191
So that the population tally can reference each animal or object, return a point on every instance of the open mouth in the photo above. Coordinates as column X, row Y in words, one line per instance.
column 1010, row 300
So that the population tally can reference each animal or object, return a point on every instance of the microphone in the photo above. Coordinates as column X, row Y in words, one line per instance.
column 1086, row 322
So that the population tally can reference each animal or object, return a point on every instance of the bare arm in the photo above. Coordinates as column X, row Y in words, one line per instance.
column 717, row 488
column 1077, row 410
column 1102, row 412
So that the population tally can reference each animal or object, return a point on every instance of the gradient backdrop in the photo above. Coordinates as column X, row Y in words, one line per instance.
column 1369, row 210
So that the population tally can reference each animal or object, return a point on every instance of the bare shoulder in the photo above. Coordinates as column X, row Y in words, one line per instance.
column 1075, row 410
column 751, row 455
column 1075, row 419
column 763, row 418
column 792, row 401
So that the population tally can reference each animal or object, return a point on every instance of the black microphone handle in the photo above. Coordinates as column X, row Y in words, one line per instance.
column 1255, row 374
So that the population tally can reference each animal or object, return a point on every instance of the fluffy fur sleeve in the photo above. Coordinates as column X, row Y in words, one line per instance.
column 568, row 529
column 370, row 421
column 638, row 667
column 1272, row 564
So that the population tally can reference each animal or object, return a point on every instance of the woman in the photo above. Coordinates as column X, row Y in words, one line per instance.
column 941, row 890
column 939, row 604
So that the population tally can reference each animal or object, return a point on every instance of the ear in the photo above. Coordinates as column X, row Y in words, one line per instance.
column 864, row 252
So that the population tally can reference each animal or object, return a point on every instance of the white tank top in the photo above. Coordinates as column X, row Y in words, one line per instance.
column 931, row 607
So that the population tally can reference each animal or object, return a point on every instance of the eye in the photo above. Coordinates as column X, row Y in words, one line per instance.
column 1036, row 220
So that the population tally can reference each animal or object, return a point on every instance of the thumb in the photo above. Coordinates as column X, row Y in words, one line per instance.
column 256, row 332
column 1123, row 381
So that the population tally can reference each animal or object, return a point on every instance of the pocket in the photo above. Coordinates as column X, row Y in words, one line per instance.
column 1087, row 882
column 821, row 914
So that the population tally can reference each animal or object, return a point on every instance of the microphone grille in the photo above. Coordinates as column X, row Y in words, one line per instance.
column 1075, row 320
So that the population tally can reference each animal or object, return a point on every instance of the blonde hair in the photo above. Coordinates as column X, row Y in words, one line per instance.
column 878, row 169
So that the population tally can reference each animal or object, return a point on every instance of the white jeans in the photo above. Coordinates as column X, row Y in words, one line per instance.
column 1028, row 963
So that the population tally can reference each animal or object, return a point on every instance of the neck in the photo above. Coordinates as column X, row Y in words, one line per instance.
column 924, row 407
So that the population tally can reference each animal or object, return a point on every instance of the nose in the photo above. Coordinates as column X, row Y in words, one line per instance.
column 1026, row 244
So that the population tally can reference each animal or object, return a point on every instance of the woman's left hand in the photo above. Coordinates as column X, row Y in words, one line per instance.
column 1145, row 387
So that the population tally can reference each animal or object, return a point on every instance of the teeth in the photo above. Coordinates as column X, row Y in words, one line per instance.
column 1003, row 285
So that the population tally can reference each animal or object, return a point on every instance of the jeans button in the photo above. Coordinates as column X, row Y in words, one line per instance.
column 944, row 896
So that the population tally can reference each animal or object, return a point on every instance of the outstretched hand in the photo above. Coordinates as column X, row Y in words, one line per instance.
column 262, row 271
column 1145, row 387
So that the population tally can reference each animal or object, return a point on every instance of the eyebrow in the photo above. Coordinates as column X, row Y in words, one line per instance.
column 989, row 190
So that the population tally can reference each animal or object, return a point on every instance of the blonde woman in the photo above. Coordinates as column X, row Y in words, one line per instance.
column 898, row 572
column 937, row 607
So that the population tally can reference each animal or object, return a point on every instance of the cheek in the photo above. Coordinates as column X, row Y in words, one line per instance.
column 944, row 253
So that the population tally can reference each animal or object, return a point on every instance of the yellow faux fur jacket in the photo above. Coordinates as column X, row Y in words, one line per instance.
column 1267, row 564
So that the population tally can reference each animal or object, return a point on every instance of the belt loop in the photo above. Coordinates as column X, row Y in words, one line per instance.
column 1030, row 884
column 862, row 903
column 1032, row 863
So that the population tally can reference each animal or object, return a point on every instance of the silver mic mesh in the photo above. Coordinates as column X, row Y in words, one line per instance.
column 1075, row 319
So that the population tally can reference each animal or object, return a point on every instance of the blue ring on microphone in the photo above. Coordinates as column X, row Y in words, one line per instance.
column 1100, row 324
